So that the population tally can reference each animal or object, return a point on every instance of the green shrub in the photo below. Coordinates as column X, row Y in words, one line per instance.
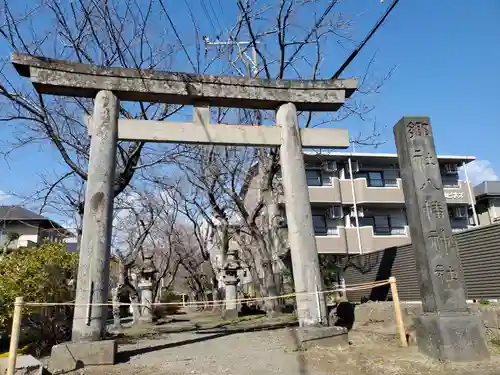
column 484, row 302
column 39, row 275
column 171, row 309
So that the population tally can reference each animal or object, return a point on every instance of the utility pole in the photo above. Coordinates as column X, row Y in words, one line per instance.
column 253, row 59
column 270, row 210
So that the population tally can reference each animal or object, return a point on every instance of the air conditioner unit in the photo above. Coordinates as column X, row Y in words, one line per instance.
column 460, row 212
column 355, row 166
column 335, row 212
column 451, row 168
column 330, row 166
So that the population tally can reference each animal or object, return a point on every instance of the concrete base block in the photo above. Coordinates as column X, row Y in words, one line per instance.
column 230, row 314
column 451, row 337
column 25, row 365
column 71, row 356
column 322, row 336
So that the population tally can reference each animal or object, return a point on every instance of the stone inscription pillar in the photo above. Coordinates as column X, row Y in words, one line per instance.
column 311, row 309
column 93, row 269
column 446, row 330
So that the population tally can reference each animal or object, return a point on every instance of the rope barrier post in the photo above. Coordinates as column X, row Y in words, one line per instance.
column 397, row 311
column 318, row 303
column 14, row 336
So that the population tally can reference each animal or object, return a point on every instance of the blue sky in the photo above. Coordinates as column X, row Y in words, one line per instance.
column 447, row 67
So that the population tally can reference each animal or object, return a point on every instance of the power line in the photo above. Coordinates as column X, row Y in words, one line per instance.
column 360, row 47
column 177, row 35
column 207, row 13
column 215, row 16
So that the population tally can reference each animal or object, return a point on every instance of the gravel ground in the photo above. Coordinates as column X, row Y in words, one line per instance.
column 272, row 352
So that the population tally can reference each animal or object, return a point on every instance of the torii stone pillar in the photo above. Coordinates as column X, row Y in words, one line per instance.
column 93, row 270
column 311, row 307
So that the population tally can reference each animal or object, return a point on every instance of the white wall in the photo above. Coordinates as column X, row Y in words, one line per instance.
column 26, row 233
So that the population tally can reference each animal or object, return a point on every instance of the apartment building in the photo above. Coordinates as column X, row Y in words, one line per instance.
column 488, row 202
column 358, row 203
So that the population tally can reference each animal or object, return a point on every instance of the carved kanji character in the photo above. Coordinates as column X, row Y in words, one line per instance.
column 430, row 184
column 439, row 271
column 418, row 129
column 435, row 208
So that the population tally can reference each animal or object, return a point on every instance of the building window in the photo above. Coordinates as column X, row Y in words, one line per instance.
column 313, row 177
column 319, row 224
column 450, row 181
column 386, row 225
column 375, row 179
column 388, row 178
column 391, row 178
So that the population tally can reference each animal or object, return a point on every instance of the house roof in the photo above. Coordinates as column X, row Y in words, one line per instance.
column 335, row 155
column 18, row 213
column 487, row 188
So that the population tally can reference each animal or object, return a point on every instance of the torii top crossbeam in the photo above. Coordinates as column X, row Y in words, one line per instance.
column 59, row 77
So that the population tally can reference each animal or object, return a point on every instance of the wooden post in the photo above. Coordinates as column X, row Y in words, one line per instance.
column 14, row 336
column 397, row 311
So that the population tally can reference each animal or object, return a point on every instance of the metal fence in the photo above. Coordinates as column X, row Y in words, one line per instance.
column 479, row 250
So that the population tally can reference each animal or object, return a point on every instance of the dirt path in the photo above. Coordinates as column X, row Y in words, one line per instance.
column 272, row 352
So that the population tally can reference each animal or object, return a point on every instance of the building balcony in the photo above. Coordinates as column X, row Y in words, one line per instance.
column 391, row 191
column 326, row 194
column 346, row 241
column 379, row 191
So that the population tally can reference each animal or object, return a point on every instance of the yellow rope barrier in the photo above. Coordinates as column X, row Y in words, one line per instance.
column 352, row 287
column 19, row 304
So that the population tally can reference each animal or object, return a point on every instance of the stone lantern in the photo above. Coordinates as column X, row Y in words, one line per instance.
column 145, row 286
column 231, row 267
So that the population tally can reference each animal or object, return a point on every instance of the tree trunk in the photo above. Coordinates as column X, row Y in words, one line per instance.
column 267, row 241
column 125, row 285
column 116, row 307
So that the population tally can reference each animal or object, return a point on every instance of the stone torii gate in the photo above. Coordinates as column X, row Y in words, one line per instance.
column 110, row 85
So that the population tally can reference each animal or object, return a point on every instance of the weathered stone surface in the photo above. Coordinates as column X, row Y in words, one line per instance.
column 222, row 134
column 335, row 337
column 436, row 250
column 490, row 316
column 93, row 268
column 71, row 356
column 311, row 307
column 459, row 337
column 383, row 312
column 59, row 77
column 447, row 327
column 230, row 314
column 25, row 365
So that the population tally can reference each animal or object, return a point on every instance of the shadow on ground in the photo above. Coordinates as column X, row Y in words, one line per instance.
column 209, row 334
column 125, row 356
column 301, row 360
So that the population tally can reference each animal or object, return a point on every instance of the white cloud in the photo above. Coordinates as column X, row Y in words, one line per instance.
column 479, row 171
column 5, row 197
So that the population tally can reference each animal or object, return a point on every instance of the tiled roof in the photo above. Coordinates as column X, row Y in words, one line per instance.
column 19, row 213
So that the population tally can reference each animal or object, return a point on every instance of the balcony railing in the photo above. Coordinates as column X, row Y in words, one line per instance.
column 382, row 182
column 389, row 230
column 323, row 231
